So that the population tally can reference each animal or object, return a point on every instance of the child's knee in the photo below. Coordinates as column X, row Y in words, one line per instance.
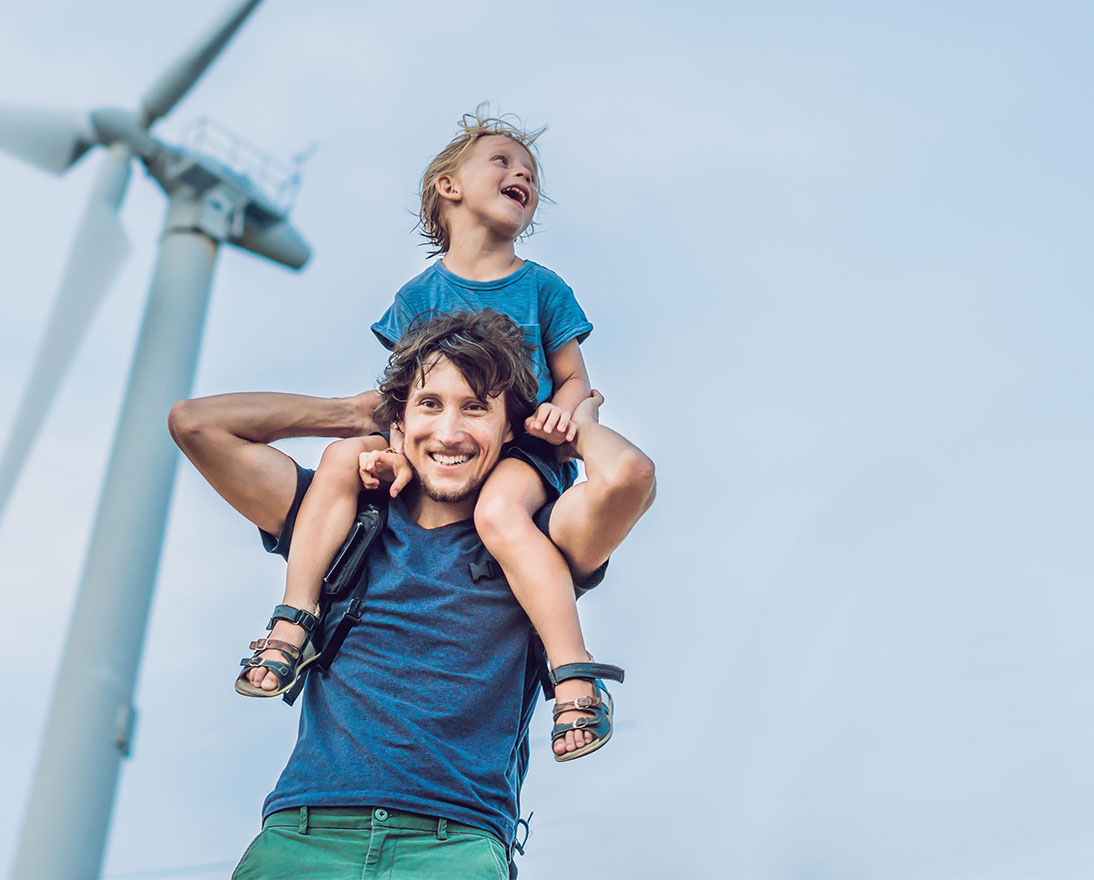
column 340, row 461
column 499, row 518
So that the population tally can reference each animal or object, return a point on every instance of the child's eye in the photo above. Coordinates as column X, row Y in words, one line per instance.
column 502, row 159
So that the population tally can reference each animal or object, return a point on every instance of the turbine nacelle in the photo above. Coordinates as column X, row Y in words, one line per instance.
column 228, row 205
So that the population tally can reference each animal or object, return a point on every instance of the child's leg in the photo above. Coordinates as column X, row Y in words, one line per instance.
column 538, row 576
column 322, row 523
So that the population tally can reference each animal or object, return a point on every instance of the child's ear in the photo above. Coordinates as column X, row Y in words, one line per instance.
column 447, row 188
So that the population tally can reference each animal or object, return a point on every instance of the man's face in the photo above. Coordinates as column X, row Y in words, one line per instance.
column 452, row 438
column 496, row 181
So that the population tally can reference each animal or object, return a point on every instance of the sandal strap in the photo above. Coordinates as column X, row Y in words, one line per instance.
column 303, row 619
column 586, row 671
column 581, row 704
column 289, row 650
column 281, row 670
column 598, row 724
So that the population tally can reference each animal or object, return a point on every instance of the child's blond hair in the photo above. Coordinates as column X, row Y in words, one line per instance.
column 471, row 127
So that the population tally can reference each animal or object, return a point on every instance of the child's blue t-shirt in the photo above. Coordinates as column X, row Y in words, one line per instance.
column 534, row 297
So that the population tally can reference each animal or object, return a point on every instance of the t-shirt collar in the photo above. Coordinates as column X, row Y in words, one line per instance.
column 445, row 273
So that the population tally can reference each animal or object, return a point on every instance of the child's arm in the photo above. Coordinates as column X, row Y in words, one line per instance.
column 551, row 421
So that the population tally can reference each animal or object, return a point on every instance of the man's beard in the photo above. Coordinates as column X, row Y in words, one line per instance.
column 447, row 496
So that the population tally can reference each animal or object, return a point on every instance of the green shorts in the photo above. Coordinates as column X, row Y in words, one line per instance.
column 369, row 843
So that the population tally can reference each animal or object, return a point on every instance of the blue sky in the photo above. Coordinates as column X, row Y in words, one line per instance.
column 837, row 260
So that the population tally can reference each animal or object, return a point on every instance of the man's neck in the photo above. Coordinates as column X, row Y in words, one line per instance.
column 479, row 258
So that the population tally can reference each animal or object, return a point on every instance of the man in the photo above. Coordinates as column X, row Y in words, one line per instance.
column 406, row 763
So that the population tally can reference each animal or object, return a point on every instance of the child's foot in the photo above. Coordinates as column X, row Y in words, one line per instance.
column 286, row 645
column 583, row 707
column 565, row 692
column 283, row 631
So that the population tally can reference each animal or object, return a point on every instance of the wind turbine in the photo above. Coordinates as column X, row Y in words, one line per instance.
column 91, row 719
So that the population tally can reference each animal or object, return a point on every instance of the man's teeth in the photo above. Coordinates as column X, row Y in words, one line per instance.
column 449, row 459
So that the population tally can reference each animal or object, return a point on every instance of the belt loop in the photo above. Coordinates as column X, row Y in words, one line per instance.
column 303, row 820
column 442, row 829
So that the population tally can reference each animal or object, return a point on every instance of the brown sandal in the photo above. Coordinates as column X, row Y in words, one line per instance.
column 599, row 723
column 297, row 658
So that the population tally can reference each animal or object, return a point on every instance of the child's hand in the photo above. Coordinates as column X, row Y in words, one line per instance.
column 385, row 466
column 551, row 423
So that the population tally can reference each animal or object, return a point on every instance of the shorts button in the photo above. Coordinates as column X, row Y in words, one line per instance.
column 381, row 814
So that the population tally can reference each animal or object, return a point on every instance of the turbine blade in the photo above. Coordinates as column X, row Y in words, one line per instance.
column 48, row 138
column 97, row 254
column 177, row 80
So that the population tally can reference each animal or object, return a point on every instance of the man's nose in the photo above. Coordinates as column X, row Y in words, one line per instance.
column 449, row 428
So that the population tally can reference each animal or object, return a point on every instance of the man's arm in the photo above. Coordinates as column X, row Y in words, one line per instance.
column 592, row 518
column 227, row 438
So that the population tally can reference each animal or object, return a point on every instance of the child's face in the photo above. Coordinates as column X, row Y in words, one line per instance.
column 496, row 185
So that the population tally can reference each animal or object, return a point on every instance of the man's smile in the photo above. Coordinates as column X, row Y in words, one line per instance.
column 450, row 459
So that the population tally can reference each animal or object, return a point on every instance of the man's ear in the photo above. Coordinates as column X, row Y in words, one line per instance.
column 448, row 188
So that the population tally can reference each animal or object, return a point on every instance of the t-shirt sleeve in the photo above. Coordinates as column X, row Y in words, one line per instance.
column 280, row 543
column 561, row 318
column 393, row 323
column 542, row 519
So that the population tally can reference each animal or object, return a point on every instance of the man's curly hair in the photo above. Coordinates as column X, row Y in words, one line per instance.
column 489, row 349
column 471, row 127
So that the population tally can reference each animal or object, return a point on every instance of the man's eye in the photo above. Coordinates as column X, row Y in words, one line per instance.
column 428, row 404
column 476, row 407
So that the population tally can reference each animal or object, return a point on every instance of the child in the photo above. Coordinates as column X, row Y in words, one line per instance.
column 477, row 197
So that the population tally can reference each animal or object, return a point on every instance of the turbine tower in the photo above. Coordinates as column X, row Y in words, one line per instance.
column 208, row 203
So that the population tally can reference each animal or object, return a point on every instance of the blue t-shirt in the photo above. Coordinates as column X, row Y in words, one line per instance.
column 534, row 297
column 427, row 703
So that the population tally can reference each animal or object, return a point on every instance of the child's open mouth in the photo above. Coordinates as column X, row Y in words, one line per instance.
column 517, row 194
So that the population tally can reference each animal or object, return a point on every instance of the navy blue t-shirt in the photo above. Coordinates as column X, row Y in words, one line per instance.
column 428, row 701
